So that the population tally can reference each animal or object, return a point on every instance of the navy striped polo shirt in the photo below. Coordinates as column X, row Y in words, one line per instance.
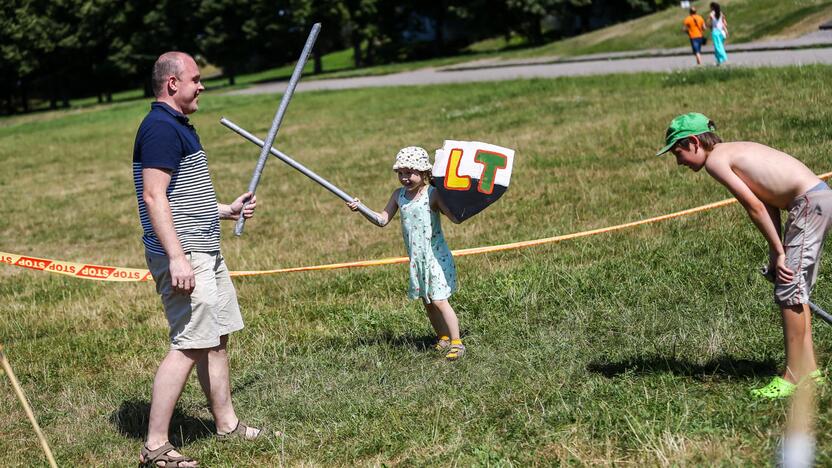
column 166, row 140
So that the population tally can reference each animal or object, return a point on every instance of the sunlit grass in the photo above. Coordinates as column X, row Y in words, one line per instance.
column 633, row 347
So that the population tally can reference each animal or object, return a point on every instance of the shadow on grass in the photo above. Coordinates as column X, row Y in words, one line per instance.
column 131, row 421
column 242, row 384
column 721, row 367
column 418, row 343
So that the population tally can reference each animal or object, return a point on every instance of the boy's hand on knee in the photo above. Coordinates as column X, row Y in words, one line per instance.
column 784, row 274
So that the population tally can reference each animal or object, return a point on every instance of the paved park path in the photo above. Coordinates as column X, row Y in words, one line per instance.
column 814, row 48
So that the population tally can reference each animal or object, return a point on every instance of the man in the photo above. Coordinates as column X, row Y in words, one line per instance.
column 180, row 217
column 694, row 25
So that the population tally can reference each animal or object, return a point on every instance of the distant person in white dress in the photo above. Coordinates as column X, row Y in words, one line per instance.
column 719, row 32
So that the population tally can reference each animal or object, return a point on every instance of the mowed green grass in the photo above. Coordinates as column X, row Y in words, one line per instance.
column 748, row 21
column 632, row 347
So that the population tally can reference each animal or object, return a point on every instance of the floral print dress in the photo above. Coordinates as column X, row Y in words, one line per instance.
column 432, row 270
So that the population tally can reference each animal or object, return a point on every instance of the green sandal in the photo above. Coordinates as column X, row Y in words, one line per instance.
column 782, row 388
column 818, row 377
column 776, row 389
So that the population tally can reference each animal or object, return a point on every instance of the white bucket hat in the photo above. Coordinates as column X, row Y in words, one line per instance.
column 412, row 157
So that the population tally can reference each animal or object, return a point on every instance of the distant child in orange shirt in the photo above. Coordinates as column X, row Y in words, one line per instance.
column 694, row 26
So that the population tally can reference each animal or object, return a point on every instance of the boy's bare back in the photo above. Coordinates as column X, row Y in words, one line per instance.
column 775, row 177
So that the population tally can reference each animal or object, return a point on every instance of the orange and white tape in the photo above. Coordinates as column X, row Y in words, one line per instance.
column 78, row 270
column 110, row 273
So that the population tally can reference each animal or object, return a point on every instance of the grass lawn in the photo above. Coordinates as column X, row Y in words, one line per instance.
column 633, row 347
column 748, row 20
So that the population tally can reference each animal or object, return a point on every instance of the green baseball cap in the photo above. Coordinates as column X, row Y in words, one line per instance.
column 684, row 126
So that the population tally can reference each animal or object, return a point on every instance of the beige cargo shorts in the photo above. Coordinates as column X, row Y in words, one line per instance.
column 198, row 320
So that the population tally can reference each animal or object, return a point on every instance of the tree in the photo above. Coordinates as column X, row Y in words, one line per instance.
column 104, row 40
column 226, row 40
column 527, row 16
column 22, row 40
column 155, row 27
column 331, row 14
column 360, row 27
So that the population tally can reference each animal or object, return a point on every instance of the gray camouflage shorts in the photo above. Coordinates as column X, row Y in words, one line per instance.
column 810, row 216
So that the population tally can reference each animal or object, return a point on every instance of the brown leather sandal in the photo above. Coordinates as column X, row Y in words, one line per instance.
column 151, row 458
column 241, row 432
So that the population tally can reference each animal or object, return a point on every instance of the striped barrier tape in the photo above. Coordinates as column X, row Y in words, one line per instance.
column 111, row 273
column 77, row 270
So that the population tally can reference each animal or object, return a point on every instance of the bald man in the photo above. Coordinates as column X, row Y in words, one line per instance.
column 180, row 217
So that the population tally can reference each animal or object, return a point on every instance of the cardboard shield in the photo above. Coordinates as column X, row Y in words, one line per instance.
column 470, row 175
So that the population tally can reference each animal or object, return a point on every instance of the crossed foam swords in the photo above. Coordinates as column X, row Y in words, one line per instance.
column 266, row 146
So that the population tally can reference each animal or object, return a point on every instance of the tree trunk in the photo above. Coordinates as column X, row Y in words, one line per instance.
column 319, row 65
column 370, row 56
column 439, row 41
column 24, row 96
column 356, row 48
column 583, row 22
column 9, row 101
column 231, row 73
column 535, row 30
column 109, row 96
column 100, row 98
column 64, row 97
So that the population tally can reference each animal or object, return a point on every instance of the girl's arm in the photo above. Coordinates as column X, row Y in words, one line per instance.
column 383, row 218
column 436, row 203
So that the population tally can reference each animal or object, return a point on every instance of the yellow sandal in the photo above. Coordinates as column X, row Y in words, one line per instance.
column 457, row 350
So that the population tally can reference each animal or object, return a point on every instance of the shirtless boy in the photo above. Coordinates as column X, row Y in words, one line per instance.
column 765, row 181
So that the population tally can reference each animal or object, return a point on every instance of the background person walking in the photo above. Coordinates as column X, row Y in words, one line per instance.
column 694, row 26
column 719, row 32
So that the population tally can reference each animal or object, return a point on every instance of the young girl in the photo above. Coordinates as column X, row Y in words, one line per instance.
column 719, row 32
column 432, row 271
